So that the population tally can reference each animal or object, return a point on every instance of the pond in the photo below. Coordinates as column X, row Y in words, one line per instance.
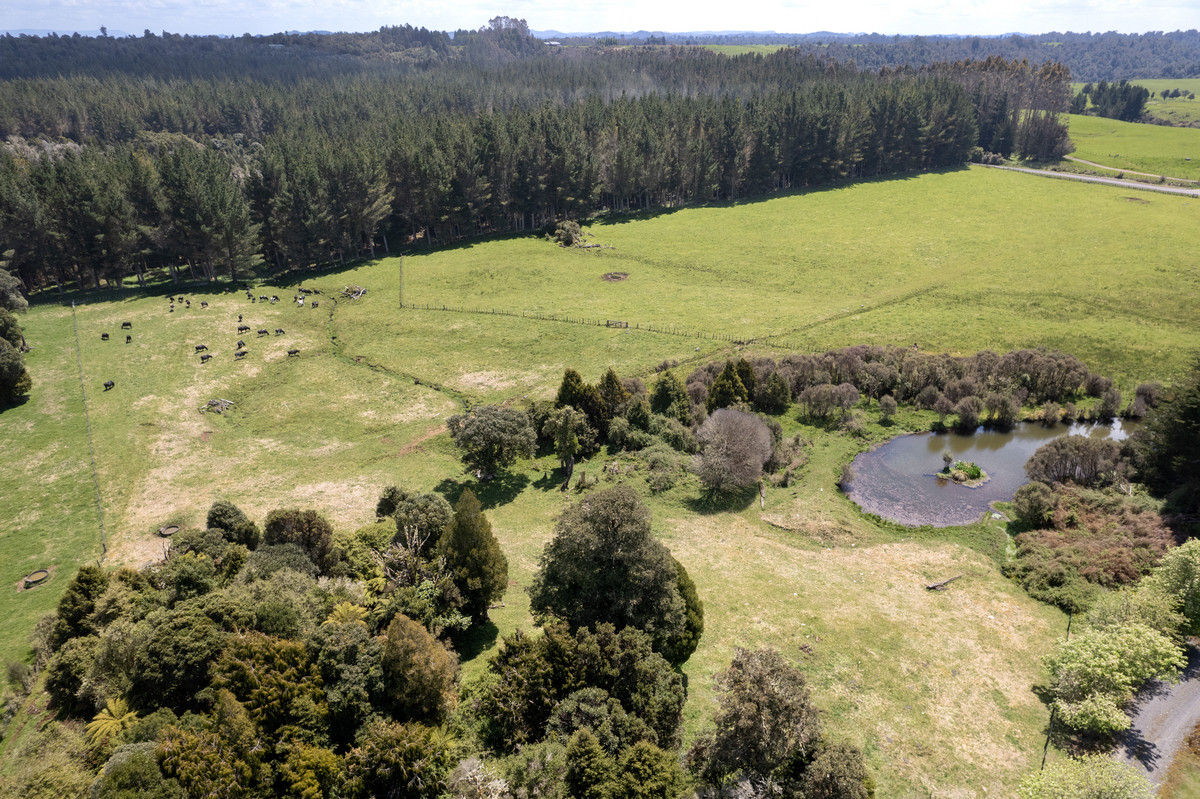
column 896, row 480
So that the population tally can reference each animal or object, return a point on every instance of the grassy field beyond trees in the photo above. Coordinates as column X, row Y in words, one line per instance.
column 1156, row 149
column 937, row 688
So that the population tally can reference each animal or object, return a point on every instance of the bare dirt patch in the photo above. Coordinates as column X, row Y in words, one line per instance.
column 614, row 277
column 206, row 435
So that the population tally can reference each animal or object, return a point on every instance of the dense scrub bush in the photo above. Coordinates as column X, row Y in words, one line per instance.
column 529, row 676
column 1166, row 447
column 308, row 529
column 1094, row 541
column 623, row 435
column 674, row 434
column 225, row 516
column 267, row 560
column 1081, row 460
column 663, row 465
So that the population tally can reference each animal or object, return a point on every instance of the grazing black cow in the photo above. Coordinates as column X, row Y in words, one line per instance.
column 129, row 339
column 201, row 347
column 127, row 325
column 204, row 305
column 293, row 352
column 274, row 298
column 243, row 328
column 205, row 358
column 241, row 344
column 279, row 331
column 108, row 384
column 104, row 337
column 237, row 356
column 263, row 297
column 264, row 332
column 316, row 304
column 239, row 317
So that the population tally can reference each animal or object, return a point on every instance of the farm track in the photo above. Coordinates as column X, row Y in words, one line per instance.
column 1126, row 171
column 1164, row 714
column 1127, row 184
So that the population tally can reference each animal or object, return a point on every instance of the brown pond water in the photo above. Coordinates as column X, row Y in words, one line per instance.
column 897, row 480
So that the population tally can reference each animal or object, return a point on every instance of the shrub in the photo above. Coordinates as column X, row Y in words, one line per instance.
column 673, row 433
column 1077, row 459
column 308, row 529
column 225, row 516
column 623, row 435
column 424, row 515
column 887, row 407
column 968, row 409
column 734, row 447
column 1033, row 503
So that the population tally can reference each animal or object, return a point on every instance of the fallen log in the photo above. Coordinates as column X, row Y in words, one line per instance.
column 942, row 585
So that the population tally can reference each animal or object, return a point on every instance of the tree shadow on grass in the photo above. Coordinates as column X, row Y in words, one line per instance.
column 551, row 480
column 476, row 639
column 500, row 490
column 709, row 503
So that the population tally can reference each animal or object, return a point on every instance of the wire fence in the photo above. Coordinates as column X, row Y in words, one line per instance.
column 91, row 449
column 666, row 330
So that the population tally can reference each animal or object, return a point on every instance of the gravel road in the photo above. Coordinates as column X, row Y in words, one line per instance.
column 1163, row 714
column 1127, row 184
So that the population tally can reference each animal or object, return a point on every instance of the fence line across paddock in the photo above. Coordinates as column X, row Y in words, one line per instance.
column 662, row 329
column 91, row 449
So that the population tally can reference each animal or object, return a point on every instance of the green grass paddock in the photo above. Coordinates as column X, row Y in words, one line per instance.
column 937, row 689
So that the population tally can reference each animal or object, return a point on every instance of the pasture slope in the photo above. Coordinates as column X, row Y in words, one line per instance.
column 1153, row 149
column 937, row 689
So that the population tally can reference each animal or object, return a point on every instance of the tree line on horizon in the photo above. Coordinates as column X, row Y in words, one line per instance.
column 1090, row 56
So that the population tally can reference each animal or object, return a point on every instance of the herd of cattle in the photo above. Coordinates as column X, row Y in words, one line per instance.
column 241, row 351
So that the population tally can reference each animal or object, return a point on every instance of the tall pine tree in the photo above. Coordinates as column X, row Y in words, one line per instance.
column 473, row 556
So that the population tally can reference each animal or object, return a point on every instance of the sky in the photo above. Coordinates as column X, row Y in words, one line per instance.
column 905, row 17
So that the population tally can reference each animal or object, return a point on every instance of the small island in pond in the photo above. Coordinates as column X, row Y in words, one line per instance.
column 967, row 473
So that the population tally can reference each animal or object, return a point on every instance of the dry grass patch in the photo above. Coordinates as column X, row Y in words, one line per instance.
column 934, row 686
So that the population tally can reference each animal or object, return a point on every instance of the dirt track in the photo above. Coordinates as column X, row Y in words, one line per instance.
column 1163, row 715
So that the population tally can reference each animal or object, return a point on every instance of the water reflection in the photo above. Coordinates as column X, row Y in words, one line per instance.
column 896, row 480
